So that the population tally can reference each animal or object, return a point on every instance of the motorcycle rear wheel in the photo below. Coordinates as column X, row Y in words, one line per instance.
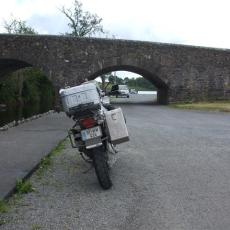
column 101, row 167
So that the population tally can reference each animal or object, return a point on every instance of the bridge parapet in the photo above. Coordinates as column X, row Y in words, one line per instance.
column 181, row 73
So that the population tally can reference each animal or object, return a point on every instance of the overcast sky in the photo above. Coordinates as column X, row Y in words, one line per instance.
column 192, row 22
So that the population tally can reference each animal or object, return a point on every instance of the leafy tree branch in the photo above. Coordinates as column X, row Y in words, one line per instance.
column 82, row 23
column 17, row 26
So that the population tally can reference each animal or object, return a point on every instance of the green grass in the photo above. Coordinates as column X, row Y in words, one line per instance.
column 223, row 106
column 46, row 161
column 23, row 187
column 36, row 227
column 2, row 222
column 3, row 206
column 59, row 148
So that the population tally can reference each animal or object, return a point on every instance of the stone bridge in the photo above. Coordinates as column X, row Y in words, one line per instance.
column 180, row 73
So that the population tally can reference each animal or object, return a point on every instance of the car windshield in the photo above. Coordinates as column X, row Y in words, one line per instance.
column 123, row 87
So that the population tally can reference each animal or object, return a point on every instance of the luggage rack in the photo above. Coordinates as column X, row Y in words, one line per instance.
column 83, row 111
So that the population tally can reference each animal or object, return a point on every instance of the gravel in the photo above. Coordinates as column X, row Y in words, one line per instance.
column 174, row 174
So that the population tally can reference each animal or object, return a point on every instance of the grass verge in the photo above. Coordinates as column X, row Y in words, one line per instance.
column 22, row 187
column 3, row 206
column 25, row 186
column 36, row 227
column 46, row 161
column 207, row 106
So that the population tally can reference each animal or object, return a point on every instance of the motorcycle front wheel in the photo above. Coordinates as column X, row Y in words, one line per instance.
column 101, row 167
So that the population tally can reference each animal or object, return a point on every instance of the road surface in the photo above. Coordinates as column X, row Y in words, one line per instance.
column 174, row 174
column 23, row 146
column 135, row 99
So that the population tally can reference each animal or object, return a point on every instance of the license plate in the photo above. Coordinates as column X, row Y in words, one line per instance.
column 91, row 133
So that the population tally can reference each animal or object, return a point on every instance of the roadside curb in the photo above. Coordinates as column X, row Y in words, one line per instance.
column 30, row 172
column 16, row 123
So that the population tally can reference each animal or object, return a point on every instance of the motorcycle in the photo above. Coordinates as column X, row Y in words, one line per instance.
column 98, row 127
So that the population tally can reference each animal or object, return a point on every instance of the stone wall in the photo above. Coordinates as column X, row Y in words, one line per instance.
column 181, row 73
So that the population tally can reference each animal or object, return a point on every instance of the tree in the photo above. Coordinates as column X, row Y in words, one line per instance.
column 82, row 23
column 17, row 26
column 140, row 83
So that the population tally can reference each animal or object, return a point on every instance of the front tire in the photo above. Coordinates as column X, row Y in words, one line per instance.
column 101, row 167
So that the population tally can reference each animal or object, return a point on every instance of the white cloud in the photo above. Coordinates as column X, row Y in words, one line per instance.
column 194, row 22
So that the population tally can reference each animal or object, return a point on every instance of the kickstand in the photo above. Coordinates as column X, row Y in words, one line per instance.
column 86, row 171
column 87, row 160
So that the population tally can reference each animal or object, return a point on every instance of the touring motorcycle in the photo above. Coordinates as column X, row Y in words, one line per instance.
column 98, row 127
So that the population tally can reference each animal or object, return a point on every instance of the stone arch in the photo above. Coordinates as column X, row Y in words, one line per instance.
column 11, row 65
column 162, row 87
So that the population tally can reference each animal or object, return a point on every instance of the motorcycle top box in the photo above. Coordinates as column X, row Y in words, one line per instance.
column 80, row 98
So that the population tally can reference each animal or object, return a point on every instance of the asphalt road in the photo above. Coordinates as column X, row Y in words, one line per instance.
column 22, row 147
column 135, row 99
column 173, row 174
